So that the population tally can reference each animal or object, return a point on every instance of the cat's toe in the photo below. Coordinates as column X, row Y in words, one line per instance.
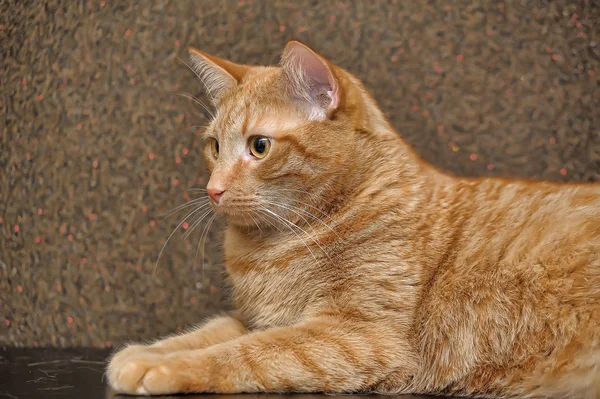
column 161, row 380
column 128, row 367
column 144, row 373
column 125, row 377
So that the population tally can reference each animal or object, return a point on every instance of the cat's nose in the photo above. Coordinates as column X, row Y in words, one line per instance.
column 215, row 194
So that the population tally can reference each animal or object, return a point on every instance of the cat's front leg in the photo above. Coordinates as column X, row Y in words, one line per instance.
column 321, row 355
column 215, row 331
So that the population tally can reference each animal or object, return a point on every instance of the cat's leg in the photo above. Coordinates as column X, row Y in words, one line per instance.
column 214, row 331
column 322, row 355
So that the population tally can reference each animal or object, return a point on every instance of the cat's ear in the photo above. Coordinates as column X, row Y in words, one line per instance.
column 217, row 75
column 309, row 78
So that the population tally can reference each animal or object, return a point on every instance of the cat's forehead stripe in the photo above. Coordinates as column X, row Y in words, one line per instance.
column 271, row 125
column 243, row 120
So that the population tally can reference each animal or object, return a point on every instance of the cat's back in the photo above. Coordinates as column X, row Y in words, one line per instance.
column 517, row 299
column 504, row 222
column 524, row 225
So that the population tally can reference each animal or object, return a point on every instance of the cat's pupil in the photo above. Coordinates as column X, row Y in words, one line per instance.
column 260, row 145
column 217, row 147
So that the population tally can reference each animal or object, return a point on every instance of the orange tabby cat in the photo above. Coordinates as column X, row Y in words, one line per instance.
column 357, row 267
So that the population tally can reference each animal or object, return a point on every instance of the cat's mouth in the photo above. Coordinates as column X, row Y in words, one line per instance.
column 248, row 213
column 236, row 211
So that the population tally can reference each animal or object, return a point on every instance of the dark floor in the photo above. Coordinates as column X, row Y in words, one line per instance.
column 78, row 373
column 94, row 146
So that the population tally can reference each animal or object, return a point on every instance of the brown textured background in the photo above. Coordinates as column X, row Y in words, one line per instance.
column 94, row 146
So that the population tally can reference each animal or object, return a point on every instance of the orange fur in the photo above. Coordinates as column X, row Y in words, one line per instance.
column 357, row 267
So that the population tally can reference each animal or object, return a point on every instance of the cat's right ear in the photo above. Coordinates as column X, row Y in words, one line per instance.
column 218, row 76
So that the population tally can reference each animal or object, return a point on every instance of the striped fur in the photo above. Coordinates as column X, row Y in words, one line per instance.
column 357, row 267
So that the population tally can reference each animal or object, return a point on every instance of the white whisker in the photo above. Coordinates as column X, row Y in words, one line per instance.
column 196, row 201
column 195, row 223
column 274, row 225
column 207, row 228
column 295, row 190
column 256, row 224
column 290, row 224
column 196, row 100
column 297, row 210
column 199, row 78
column 304, row 203
column 171, row 235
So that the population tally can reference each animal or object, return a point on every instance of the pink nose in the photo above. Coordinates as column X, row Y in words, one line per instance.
column 215, row 194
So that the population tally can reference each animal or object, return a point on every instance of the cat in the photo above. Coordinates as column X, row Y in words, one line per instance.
column 357, row 267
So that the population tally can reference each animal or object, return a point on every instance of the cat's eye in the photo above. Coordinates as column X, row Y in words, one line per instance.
column 214, row 148
column 260, row 146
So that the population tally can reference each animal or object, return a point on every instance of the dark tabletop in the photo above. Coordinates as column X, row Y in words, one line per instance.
column 72, row 373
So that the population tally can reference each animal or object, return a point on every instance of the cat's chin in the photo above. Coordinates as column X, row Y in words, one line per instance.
column 239, row 222
column 249, row 222
column 247, row 226
column 239, row 219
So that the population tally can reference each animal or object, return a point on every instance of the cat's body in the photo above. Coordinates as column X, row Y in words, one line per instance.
column 366, row 270
column 483, row 307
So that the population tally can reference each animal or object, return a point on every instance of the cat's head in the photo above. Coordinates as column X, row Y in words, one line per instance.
column 283, row 142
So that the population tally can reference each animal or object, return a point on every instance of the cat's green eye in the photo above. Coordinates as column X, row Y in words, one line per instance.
column 260, row 146
column 214, row 148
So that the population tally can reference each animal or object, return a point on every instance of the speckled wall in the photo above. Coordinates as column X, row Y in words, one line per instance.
column 95, row 146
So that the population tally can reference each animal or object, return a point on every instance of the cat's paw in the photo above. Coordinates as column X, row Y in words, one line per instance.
column 131, row 350
column 144, row 370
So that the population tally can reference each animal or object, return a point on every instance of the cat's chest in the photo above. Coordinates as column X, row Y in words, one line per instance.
column 270, row 286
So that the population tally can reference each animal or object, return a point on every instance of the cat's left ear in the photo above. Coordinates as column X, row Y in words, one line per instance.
column 309, row 79
column 217, row 75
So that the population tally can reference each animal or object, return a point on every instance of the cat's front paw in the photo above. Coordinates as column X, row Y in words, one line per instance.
column 139, row 370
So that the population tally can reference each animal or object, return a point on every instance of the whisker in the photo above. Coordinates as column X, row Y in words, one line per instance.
column 315, row 208
column 256, row 224
column 296, row 210
column 304, row 203
column 245, row 218
column 292, row 210
column 195, row 224
column 196, row 254
column 310, row 236
column 196, row 100
column 198, row 76
column 295, row 190
column 195, row 201
column 274, row 225
column 171, row 235
column 199, row 241
column 207, row 228
column 290, row 224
